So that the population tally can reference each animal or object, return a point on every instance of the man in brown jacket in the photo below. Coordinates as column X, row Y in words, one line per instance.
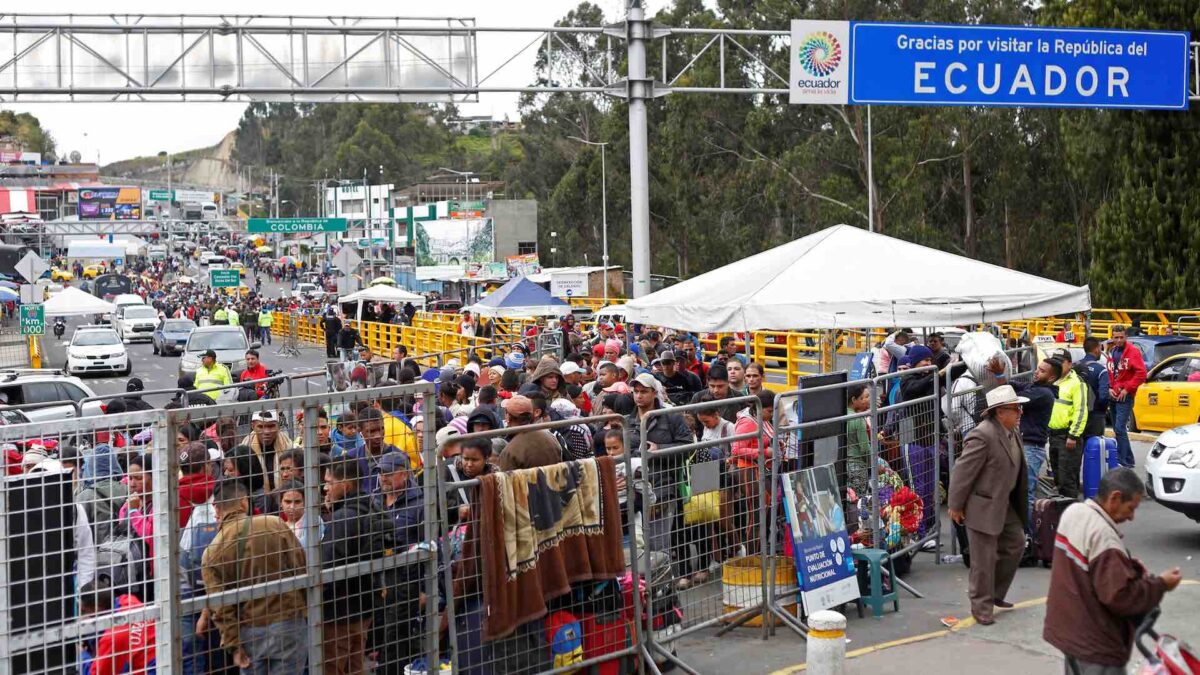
column 987, row 495
column 267, row 634
column 1098, row 591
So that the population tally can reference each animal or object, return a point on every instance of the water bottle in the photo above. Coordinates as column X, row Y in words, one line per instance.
column 951, row 559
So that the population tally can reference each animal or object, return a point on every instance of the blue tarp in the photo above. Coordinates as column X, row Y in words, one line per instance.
column 520, row 297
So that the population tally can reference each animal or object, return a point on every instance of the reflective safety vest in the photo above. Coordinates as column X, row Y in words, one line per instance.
column 234, row 319
column 265, row 319
column 217, row 376
column 1071, row 407
column 220, row 315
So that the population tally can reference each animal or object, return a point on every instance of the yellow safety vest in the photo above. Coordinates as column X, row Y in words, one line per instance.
column 218, row 376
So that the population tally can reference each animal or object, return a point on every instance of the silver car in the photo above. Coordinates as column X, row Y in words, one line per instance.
column 229, row 342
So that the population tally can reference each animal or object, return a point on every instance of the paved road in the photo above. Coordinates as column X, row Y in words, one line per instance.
column 161, row 372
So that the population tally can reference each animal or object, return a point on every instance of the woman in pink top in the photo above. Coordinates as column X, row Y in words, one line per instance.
column 137, row 513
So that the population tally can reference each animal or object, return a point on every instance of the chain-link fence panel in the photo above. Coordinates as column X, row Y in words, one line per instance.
column 837, row 432
column 535, row 551
column 303, row 534
column 703, row 492
column 82, row 544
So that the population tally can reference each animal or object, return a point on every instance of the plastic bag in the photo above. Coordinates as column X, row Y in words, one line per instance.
column 976, row 350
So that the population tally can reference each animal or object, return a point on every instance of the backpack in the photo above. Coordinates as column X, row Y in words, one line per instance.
column 1084, row 371
column 122, row 559
column 190, row 559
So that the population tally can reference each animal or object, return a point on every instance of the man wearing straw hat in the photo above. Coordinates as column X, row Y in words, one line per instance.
column 987, row 496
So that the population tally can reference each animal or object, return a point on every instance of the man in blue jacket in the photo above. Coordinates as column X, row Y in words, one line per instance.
column 1096, row 378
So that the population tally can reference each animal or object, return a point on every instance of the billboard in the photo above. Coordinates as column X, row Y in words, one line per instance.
column 454, row 242
column 523, row 265
column 864, row 63
column 110, row 203
column 817, row 524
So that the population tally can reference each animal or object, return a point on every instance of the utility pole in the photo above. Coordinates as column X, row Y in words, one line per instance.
column 639, row 171
column 603, row 205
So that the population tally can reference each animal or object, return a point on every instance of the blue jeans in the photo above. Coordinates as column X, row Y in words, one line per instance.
column 202, row 654
column 1035, row 457
column 276, row 648
column 1122, row 411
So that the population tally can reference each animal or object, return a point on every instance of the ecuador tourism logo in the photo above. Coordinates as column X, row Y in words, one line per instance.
column 820, row 54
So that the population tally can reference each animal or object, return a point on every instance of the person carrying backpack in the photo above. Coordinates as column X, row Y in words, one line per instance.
column 100, row 491
column 1095, row 376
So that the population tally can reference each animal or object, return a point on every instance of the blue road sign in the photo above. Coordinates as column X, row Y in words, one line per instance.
column 851, row 62
column 909, row 64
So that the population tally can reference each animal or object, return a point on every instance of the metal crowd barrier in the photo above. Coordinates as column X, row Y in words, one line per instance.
column 166, row 574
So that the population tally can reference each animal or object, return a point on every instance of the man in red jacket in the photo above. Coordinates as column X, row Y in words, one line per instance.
column 1126, row 372
column 126, row 648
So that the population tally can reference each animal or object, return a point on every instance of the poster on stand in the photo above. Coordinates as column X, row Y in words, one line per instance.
column 817, row 525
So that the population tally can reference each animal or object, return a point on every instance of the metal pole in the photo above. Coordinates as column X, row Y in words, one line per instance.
column 639, row 152
column 870, row 176
column 604, row 215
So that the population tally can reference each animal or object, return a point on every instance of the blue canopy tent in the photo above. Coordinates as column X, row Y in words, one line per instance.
column 517, row 298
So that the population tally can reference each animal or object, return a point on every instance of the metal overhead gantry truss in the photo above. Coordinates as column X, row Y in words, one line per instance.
column 159, row 57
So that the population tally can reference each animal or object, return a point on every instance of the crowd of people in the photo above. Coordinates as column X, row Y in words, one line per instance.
column 245, row 504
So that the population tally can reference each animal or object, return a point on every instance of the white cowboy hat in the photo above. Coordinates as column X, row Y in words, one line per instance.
column 1003, row 395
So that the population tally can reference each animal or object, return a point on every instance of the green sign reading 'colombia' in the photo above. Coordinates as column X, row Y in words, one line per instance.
column 297, row 225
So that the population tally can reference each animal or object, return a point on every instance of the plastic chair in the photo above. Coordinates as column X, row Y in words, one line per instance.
column 876, row 560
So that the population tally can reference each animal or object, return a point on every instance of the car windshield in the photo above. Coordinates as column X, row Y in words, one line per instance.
column 140, row 313
column 178, row 326
column 217, row 340
column 1163, row 352
column 91, row 338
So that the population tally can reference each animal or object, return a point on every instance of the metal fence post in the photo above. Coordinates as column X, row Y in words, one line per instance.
column 432, row 480
column 165, row 482
column 312, row 537
column 937, row 468
column 876, row 529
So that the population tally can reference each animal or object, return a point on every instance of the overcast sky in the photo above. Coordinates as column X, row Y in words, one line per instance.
column 123, row 130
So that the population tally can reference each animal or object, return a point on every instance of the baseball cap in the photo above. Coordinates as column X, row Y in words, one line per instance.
column 209, row 352
column 570, row 368
column 444, row 434
column 264, row 416
column 394, row 461
column 617, row 388
column 519, row 405
column 646, row 380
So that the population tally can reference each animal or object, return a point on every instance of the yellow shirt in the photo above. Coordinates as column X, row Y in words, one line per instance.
column 398, row 434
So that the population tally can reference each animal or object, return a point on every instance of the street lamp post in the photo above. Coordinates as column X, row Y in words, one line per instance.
column 466, row 180
column 603, row 206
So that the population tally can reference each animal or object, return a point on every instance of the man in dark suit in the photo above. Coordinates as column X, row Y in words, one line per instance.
column 987, row 496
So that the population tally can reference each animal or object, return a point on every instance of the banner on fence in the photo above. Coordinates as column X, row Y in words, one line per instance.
column 817, row 524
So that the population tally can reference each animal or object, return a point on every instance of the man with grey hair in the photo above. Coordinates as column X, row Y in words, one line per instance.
column 1098, row 591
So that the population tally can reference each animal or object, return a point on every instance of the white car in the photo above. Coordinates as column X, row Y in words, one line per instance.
column 96, row 349
column 126, row 299
column 137, row 322
column 1173, row 470
column 307, row 290
column 38, row 388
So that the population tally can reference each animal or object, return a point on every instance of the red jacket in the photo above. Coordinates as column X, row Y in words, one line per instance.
column 126, row 648
column 194, row 489
column 1127, row 372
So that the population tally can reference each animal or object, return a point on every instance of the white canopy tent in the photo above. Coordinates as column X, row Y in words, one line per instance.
column 846, row 277
column 382, row 293
column 71, row 301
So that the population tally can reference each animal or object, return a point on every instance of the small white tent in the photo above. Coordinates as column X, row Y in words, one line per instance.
column 71, row 301
column 846, row 277
column 382, row 293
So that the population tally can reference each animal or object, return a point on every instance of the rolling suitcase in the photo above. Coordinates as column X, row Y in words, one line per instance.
column 1046, row 514
column 1099, row 457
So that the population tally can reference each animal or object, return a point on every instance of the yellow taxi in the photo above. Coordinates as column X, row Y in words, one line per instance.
column 242, row 290
column 93, row 271
column 57, row 274
column 1170, row 396
column 239, row 267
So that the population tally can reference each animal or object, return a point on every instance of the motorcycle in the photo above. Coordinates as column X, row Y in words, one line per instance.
column 60, row 327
